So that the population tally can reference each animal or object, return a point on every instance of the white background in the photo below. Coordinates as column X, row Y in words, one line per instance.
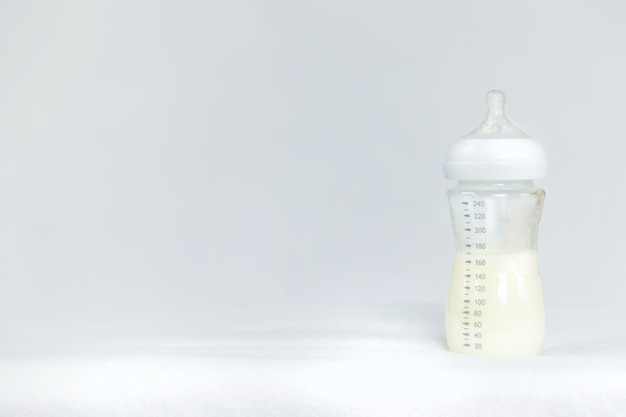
column 161, row 157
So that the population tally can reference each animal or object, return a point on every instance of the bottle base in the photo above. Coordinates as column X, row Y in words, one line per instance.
column 522, row 341
column 496, row 353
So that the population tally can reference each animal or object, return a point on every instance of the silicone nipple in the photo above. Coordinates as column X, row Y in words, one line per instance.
column 496, row 125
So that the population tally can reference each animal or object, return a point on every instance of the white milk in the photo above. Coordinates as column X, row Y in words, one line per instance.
column 498, row 309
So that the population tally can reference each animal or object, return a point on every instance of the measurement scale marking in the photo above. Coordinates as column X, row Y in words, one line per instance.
column 471, row 258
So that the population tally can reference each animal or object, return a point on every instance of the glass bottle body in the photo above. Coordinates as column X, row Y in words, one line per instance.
column 495, row 302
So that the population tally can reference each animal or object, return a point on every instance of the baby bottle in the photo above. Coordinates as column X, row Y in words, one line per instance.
column 495, row 301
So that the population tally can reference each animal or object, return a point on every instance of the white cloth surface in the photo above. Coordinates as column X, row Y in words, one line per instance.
column 385, row 360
